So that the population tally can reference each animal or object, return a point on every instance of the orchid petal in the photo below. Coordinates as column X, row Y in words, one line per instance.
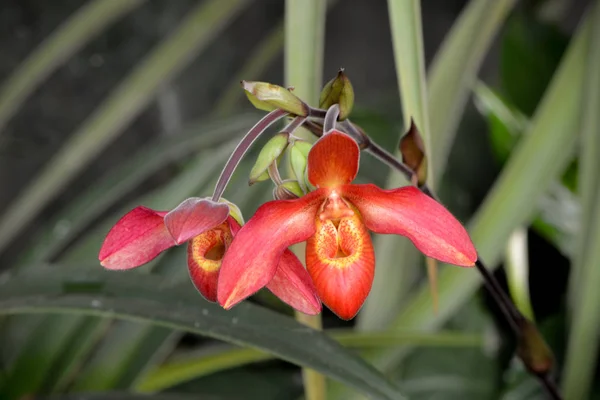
column 205, row 253
column 194, row 216
column 138, row 237
column 292, row 284
column 341, row 262
column 252, row 259
column 333, row 160
column 408, row 212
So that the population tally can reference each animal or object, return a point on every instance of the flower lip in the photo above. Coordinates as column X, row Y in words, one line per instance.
column 333, row 160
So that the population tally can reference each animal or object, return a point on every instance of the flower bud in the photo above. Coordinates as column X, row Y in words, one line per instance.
column 338, row 91
column 413, row 154
column 268, row 154
column 268, row 97
column 288, row 190
column 533, row 350
column 298, row 156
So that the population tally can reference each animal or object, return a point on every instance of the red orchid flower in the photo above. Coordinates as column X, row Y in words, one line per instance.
column 143, row 233
column 335, row 220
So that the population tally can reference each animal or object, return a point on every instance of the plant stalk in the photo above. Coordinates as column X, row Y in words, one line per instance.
column 315, row 385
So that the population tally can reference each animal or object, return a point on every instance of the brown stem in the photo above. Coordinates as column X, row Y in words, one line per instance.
column 242, row 148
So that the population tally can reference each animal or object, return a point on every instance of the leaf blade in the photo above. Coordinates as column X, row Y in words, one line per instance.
column 147, row 298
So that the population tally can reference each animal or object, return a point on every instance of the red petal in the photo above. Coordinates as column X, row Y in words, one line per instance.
column 292, row 284
column 136, row 238
column 333, row 160
column 194, row 216
column 205, row 253
column 341, row 262
column 408, row 212
column 252, row 259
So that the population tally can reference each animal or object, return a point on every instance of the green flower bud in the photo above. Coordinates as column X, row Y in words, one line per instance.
column 338, row 91
column 266, row 96
column 289, row 189
column 298, row 156
column 268, row 154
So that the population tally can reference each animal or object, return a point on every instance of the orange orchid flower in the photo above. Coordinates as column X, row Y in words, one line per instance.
column 142, row 234
column 335, row 220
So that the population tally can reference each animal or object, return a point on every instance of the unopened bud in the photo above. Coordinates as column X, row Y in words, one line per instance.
column 413, row 154
column 268, row 97
column 268, row 154
column 338, row 91
column 298, row 156
column 533, row 350
column 288, row 190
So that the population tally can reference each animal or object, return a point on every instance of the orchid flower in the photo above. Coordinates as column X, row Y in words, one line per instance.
column 208, row 227
column 335, row 220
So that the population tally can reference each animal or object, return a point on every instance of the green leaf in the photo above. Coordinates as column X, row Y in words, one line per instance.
column 582, row 350
column 548, row 145
column 455, row 67
column 112, row 116
column 435, row 373
column 559, row 210
column 124, row 396
column 530, row 53
column 73, row 34
column 193, row 366
column 304, row 46
column 147, row 298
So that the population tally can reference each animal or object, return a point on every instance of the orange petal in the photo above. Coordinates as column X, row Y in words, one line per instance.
column 292, row 284
column 408, row 212
column 205, row 253
column 341, row 262
column 251, row 261
column 138, row 237
column 333, row 160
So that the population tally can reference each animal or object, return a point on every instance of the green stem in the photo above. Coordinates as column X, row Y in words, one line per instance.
column 315, row 385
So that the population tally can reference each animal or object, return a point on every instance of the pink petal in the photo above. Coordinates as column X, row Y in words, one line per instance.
column 333, row 160
column 408, row 212
column 137, row 238
column 251, row 260
column 292, row 284
column 194, row 216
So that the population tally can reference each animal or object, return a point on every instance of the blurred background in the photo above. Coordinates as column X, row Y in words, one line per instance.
column 106, row 104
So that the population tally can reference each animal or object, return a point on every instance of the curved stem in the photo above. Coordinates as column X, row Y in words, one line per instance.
column 331, row 118
column 242, row 148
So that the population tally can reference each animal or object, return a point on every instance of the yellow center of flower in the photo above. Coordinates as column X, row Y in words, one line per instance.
column 207, row 249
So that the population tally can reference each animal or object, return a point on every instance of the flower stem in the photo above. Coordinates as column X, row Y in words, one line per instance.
column 331, row 118
column 242, row 148
column 315, row 385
